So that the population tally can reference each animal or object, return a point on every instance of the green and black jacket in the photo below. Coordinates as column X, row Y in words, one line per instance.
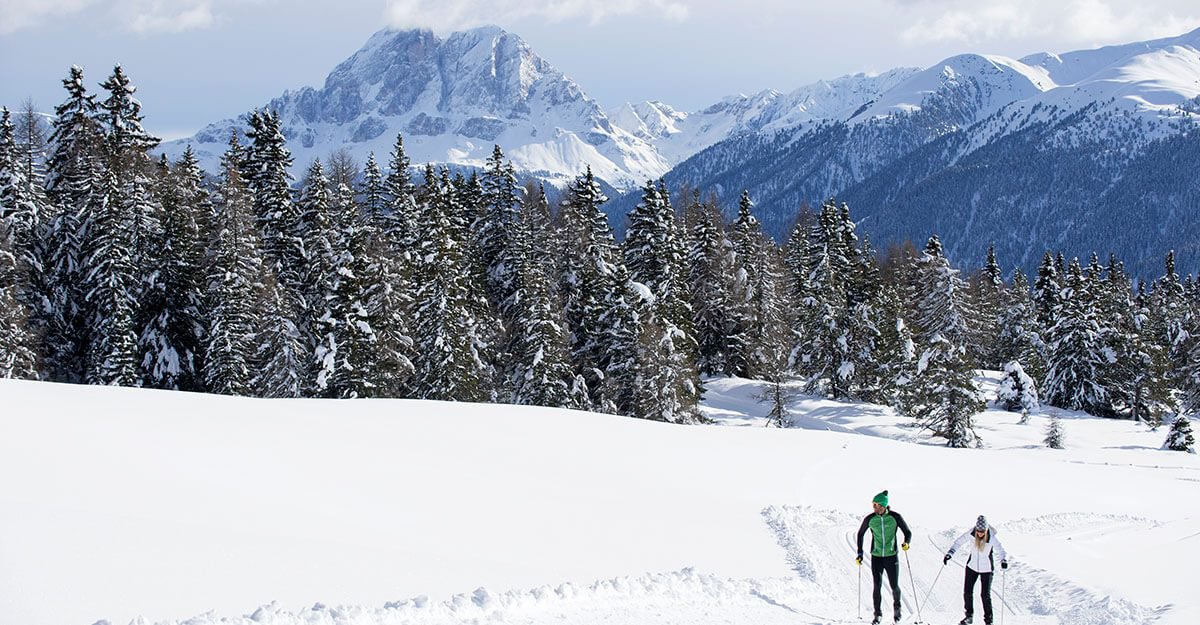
column 883, row 533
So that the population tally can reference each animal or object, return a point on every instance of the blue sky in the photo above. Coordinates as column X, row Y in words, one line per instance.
column 197, row 61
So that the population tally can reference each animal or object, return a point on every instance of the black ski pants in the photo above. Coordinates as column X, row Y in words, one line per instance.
column 890, row 565
column 969, row 592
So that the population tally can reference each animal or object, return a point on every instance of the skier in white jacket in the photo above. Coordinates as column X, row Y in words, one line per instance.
column 983, row 548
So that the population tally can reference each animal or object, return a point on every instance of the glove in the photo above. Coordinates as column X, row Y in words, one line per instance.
column 946, row 560
column 1004, row 564
column 904, row 546
column 859, row 558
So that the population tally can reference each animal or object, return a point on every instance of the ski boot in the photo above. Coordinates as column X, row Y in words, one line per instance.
column 965, row 621
column 876, row 620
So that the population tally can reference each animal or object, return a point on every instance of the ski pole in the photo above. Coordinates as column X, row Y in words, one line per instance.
column 935, row 581
column 860, row 590
column 1003, row 583
column 912, row 581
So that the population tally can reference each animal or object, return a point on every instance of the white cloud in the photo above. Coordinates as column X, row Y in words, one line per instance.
column 18, row 14
column 170, row 16
column 1076, row 22
column 447, row 15
column 140, row 16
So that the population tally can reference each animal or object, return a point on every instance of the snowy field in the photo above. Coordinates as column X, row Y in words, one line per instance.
column 120, row 504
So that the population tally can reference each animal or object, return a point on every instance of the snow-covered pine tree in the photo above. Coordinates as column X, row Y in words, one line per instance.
column 1055, row 437
column 450, row 355
column 127, row 146
column 1017, row 391
column 170, row 342
column 111, row 290
column 589, row 256
column 494, row 231
column 539, row 372
column 389, row 296
column 316, row 231
column 987, row 295
column 23, row 210
column 1077, row 354
column 1047, row 292
column 1180, row 437
column 896, row 352
column 867, row 319
column 17, row 358
column 798, row 292
column 401, row 227
column 826, row 354
column 234, row 268
column 354, row 338
column 942, row 397
column 1018, row 338
column 709, row 283
column 265, row 171
column 72, row 173
column 373, row 194
column 746, row 238
column 654, row 257
column 624, row 347
column 1145, row 383
column 466, row 207
column 1171, row 303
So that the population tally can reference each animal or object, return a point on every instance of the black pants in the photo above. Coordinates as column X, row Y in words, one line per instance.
column 890, row 565
column 969, row 591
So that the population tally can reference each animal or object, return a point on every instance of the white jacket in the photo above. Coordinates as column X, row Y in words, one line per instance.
column 980, row 560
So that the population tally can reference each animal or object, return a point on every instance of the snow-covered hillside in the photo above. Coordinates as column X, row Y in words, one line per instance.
column 123, row 502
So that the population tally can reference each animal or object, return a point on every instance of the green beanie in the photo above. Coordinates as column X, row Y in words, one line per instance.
column 881, row 499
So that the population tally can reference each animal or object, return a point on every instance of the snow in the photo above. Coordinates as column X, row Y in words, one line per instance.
column 172, row 506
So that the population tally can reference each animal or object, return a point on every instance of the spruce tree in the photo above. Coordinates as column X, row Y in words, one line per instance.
column 22, row 209
column 355, row 340
column 1018, row 336
column 825, row 314
column 1145, row 381
column 540, row 373
column 1047, row 292
column 234, row 268
column 709, row 284
column 494, row 231
column 1180, row 437
column 943, row 397
column 17, row 358
column 72, row 172
column 1077, row 354
column 265, row 171
column 1055, row 437
column 111, row 290
column 170, row 342
column 1017, row 391
column 654, row 255
column 316, row 231
column 450, row 358
column 588, row 262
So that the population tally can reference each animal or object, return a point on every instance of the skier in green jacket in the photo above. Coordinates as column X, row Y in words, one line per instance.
column 884, row 523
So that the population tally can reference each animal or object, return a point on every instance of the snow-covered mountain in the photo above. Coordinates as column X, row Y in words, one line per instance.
column 452, row 99
column 679, row 135
column 1049, row 151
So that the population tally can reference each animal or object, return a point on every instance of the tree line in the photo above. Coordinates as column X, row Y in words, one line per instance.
column 118, row 268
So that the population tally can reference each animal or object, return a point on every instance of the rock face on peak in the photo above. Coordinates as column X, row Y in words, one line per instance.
column 452, row 99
